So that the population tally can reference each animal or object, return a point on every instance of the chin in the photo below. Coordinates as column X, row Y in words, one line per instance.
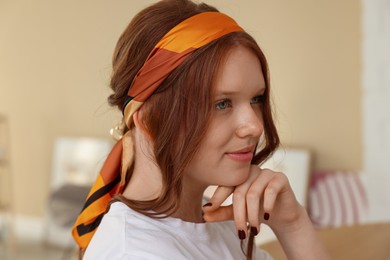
column 237, row 178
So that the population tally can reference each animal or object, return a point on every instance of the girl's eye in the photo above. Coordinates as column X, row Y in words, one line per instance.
column 257, row 99
column 223, row 104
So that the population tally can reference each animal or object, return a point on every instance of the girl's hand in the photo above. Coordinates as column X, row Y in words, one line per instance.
column 265, row 197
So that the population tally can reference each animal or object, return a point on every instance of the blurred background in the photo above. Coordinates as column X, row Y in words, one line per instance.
column 330, row 76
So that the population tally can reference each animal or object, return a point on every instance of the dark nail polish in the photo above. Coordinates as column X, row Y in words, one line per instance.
column 209, row 204
column 266, row 216
column 254, row 231
column 241, row 234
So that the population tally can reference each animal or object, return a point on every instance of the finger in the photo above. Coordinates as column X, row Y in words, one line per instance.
column 239, row 206
column 222, row 213
column 255, row 196
column 271, row 192
column 219, row 196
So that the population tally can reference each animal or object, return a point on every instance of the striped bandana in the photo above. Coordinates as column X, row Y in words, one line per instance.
column 166, row 56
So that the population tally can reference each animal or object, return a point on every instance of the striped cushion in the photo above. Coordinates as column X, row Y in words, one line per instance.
column 337, row 198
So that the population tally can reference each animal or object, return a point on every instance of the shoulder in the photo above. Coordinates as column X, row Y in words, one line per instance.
column 126, row 234
column 108, row 242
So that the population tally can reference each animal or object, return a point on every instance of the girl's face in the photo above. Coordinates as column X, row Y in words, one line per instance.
column 225, row 155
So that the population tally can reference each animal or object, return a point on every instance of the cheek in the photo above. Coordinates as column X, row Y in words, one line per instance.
column 220, row 134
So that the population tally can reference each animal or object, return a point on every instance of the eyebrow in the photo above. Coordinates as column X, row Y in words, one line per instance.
column 261, row 90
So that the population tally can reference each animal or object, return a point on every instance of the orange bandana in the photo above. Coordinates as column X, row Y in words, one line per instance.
column 166, row 56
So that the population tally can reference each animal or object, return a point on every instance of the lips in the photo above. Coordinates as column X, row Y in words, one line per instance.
column 243, row 155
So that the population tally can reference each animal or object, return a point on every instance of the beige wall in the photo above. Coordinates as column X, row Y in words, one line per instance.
column 55, row 64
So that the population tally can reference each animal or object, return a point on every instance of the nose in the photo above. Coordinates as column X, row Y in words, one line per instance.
column 250, row 123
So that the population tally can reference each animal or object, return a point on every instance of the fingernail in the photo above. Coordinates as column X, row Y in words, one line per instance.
column 266, row 216
column 254, row 231
column 241, row 234
column 209, row 204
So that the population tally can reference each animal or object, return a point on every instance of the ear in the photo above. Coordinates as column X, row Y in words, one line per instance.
column 135, row 119
column 138, row 124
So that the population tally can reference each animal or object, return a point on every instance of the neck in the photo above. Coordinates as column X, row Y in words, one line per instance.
column 190, row 208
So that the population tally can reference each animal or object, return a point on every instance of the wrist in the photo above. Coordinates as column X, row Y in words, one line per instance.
column 299, row 239
column 293, row 223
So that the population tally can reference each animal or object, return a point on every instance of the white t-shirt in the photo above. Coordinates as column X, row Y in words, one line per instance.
column 127, row 234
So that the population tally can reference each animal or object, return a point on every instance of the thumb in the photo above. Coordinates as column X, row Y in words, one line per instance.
column 219, row 196
column 213, row 211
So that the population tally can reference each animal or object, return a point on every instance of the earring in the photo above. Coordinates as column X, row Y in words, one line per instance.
column 117, row 131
